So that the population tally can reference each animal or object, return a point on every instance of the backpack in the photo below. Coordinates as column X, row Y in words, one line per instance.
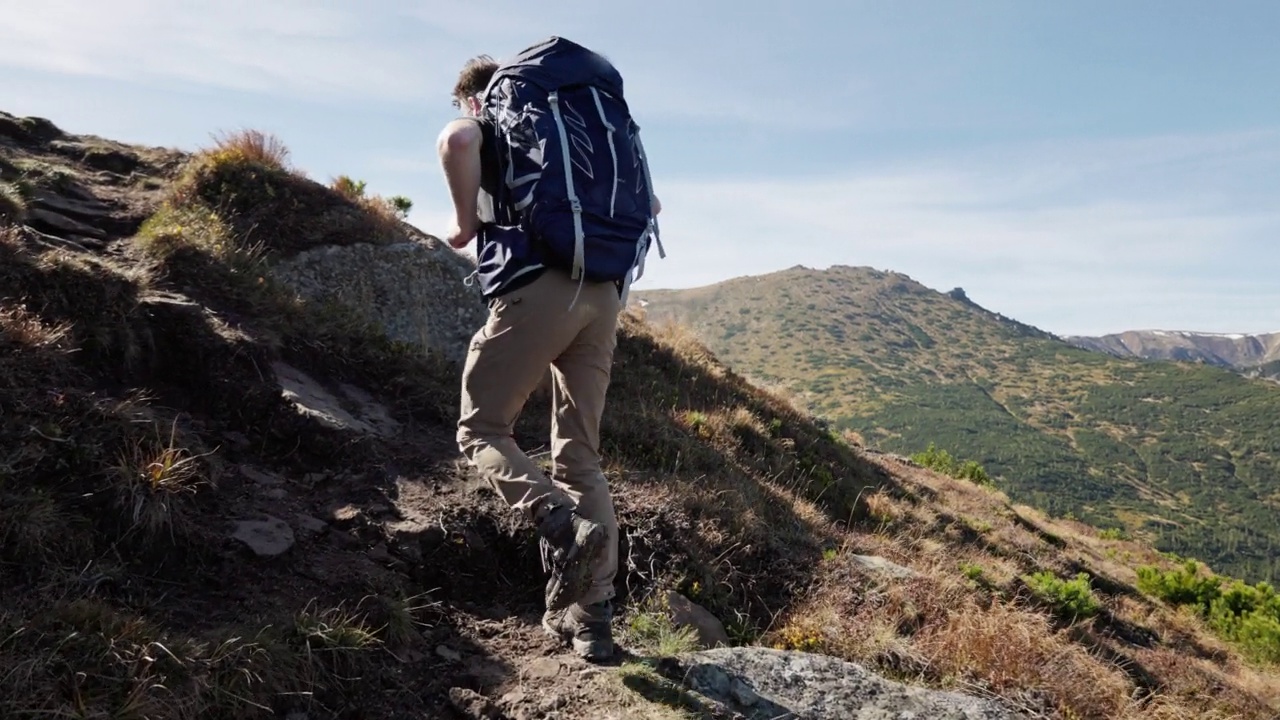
column 575, row 178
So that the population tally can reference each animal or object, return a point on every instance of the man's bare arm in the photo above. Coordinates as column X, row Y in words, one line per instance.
column 459, row 150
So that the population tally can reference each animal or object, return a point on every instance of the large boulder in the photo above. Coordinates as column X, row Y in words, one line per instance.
column 762, row 683
column 416, row 290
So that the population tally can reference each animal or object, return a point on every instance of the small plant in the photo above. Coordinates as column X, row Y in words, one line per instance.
column 401, row 204
column 651, row 626
column 940, row 460
column 830, row 554
column 153, row 481
column 775, row 428
column 973, row 472
column 698, row 422
column 799, row 637
column 972, row 571
column 1071, row 599
column 333, row 629
column 1112, row 534
column 402, row 623
column 351, row 189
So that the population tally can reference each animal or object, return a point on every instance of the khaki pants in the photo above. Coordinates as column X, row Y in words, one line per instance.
column 529, row 330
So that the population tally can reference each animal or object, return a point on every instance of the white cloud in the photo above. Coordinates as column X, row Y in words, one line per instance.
column 387, row 50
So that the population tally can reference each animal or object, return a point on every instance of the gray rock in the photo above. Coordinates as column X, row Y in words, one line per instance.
column 686, row 613
column 261, row 477
column 266, row 538
column 310, row 524
column 885, row 567
column 58, row 222
column 356, row 411
column 414, row 290
column 761, row 683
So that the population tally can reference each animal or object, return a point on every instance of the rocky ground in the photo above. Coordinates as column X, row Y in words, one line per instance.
column 230, row 488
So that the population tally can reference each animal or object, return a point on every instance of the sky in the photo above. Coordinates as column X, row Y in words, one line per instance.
column 1085, row 167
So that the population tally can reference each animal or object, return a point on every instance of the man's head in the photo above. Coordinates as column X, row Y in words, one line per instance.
column 472, row 81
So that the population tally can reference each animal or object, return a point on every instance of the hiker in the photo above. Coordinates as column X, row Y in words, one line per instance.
column 561, row 235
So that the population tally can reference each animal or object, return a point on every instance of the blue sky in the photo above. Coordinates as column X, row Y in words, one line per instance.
column 1085, row 167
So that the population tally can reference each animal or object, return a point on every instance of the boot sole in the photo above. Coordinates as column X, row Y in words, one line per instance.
column 576, row 581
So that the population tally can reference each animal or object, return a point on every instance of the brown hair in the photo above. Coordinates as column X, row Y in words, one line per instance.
column 474, row 77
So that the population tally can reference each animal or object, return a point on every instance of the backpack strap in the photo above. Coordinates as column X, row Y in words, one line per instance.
column 653, row 221
column 579, row 235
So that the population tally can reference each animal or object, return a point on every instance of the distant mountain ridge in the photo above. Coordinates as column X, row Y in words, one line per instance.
column 1253, row 354
column 1186, row 454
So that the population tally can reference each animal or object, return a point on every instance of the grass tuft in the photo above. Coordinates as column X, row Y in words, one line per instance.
column 13, row 204
column 155, row 480
column 650, row 626
column 250, row 146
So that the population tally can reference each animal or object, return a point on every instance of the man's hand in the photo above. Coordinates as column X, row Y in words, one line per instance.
column 459, row 237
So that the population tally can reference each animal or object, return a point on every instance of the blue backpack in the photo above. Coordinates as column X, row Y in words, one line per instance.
column 575, row 182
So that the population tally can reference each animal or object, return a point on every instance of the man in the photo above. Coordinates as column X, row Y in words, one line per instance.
column 541, row 318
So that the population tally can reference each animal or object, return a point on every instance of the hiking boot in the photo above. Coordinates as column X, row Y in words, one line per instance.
column 588, row 629
column 570, row 544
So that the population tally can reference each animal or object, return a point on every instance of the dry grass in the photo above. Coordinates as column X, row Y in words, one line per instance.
column 138, row 670
column 13, row 204
column 156, row 479
column 250, row 146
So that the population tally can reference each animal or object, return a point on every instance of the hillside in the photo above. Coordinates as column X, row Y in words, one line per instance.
column 1255, row 355
column 225, row 493
column 1184, row 455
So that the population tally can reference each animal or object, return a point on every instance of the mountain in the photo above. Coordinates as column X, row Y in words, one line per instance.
column 1254, row 355
column 229, row 488
column 1185, row 455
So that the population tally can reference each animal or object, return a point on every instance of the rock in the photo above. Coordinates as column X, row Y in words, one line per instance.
column 115, row 161
column 51, row 221
column 413, row 290
column 28, row 128
column 266, row 538
column 344, row 515
column 87, row 210
column 360, row 414
column 237, row 438
column 310, row 524
column 544, row 668
column 763, row 683
column 686, row 613
column 473, row 705
column 261, row 477
column 448, row 653
column 881, row 566
column 553, row 702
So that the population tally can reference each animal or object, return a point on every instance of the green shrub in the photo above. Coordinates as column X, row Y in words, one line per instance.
column 401, row 204
column 1069, row 598
column 942, row 461
column 1247, row 615
column 1184, row 586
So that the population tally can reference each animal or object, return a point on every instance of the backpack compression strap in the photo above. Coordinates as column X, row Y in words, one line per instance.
column 579, row 235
